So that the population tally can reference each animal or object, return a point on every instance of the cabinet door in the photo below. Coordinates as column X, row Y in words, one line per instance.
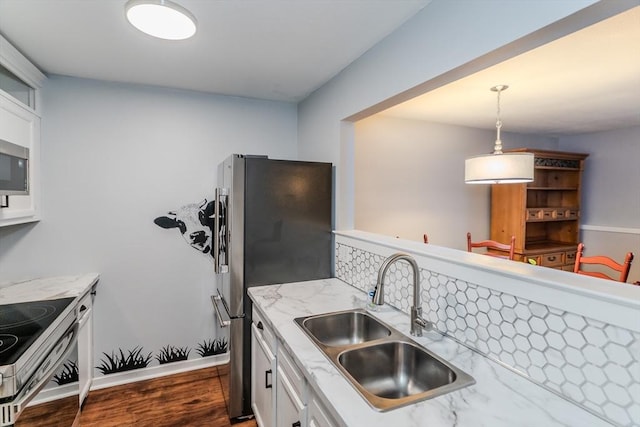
column 22, row 127
column 318, row 414
column 290, row 410
column 263, row 368
column 85, row 345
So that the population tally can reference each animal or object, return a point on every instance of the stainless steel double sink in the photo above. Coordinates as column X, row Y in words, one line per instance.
column 385, row 367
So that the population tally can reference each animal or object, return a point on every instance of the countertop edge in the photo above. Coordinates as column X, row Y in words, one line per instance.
column 46, row 288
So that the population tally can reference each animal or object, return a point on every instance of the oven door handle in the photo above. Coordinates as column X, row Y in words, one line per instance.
column 47, row 368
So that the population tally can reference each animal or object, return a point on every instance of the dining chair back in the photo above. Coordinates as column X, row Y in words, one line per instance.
column 492, row 244
column 621, row 269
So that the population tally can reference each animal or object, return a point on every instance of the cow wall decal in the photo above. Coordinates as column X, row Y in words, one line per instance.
column 195, row 223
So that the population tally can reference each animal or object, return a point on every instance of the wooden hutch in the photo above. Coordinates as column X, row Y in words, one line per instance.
column 543, row 215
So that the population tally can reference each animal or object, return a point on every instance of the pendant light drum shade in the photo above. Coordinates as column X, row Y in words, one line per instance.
column 504, row 168
column 499, row 167
column 161, row 18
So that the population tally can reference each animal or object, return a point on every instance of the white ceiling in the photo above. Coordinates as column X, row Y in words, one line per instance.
column 585, row 82
column 285, row 49
column 270, row 49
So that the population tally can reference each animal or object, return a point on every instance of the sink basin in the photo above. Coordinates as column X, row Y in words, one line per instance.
column 345, row 328
column 398, row 370
column 383, row 365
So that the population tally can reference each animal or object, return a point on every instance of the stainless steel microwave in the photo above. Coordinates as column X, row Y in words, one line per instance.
column 14, row 169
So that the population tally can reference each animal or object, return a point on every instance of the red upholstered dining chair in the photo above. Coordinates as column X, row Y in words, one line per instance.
column 492, row 244
column 621, row 269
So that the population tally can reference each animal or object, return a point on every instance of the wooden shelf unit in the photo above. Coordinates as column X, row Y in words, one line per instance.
column 544, row 215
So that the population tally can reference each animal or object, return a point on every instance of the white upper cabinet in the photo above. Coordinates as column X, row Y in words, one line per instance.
column 20, row 80
column 20, row 83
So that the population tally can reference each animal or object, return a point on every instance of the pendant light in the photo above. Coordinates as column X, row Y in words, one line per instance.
column 161, row 18
column 499, row 167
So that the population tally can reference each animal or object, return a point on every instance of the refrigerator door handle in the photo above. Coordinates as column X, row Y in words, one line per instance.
column 221, row 312
column 221, row 231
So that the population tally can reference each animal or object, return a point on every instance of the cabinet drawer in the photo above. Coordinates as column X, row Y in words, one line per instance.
column 533, row 260
column 265, row 331
column 559, row 214
column 552, row 259
column 571, row 214
column 296, row 379
column 567, row 267
column 534, row 214
column 548, row 214
column 570, row 258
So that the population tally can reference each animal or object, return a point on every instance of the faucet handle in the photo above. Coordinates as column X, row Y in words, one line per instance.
column 424, row 324
column 418, row 323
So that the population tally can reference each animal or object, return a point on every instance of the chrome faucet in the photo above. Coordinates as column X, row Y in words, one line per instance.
column 417, row 322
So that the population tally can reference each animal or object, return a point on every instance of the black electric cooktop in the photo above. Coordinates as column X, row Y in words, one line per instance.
column 22, row 323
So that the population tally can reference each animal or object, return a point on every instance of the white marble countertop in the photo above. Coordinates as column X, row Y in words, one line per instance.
column 47, row 288
column 500, row 397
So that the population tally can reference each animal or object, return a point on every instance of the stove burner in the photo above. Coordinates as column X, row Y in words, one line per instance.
column 13, row 317
column 22, row 323
column 7, row 341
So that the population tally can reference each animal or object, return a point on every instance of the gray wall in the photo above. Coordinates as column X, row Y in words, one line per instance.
column 611, row 196
column 612, row 175
column 114, row 157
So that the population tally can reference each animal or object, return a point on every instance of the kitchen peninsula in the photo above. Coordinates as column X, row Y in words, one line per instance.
column 500, row 397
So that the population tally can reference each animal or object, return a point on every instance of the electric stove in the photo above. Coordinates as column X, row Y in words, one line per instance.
column 34, row 338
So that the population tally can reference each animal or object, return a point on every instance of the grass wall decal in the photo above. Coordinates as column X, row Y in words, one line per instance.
column 69, row 373
column 121, row 363
column 170, row 354
column 212, row 347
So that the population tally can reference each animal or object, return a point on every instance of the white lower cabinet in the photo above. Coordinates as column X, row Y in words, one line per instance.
column 280, row 394
column 318, row 415
column 291, row 408
column 263, row 368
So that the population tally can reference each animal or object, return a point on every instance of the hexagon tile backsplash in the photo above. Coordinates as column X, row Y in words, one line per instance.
column 591, row 363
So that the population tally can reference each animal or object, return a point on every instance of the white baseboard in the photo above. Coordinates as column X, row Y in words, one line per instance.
column 112, row 380
column 54, row 393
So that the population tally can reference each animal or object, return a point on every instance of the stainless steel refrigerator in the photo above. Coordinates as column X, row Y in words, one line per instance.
column 272, row 224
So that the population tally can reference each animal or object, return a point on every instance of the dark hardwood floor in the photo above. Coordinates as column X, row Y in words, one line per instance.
column 189, row 399
column 57, row 413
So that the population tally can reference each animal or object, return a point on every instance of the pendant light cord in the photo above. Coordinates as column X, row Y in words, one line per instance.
column 497, row 148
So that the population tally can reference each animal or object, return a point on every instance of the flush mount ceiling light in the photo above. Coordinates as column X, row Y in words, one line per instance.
column 499, row 167
column 161, row 18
